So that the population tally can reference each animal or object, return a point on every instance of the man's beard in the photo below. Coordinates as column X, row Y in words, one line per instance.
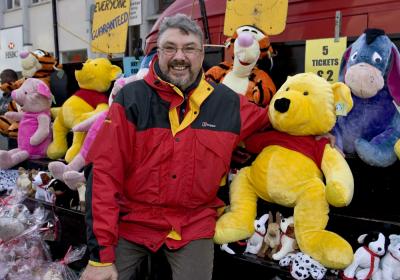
column 181, row 82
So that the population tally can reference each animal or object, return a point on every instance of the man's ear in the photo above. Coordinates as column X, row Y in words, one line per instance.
column 342, row 98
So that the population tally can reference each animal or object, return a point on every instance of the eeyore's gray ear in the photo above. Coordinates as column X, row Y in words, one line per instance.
column 343, row 64
column 393, row 78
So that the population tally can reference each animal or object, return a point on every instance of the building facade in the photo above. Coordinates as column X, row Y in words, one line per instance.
column 63, row 27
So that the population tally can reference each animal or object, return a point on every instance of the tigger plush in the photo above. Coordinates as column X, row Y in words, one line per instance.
column 38, row 64
column 250, row 45
column 9, row 82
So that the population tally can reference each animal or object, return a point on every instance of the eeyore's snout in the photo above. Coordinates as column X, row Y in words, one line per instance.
column 364, row 80
column 282, row 105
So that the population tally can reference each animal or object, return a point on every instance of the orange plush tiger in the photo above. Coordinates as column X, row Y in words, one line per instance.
column 250, row 45
column 9, row 82
column 38, row 64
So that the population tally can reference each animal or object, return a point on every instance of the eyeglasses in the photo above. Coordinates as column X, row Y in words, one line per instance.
column 170, row 51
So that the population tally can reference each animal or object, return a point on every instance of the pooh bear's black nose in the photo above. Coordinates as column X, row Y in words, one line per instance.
column 282, row 105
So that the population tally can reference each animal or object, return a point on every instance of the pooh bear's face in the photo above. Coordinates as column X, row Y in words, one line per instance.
column 97, row 74
column 305, row 105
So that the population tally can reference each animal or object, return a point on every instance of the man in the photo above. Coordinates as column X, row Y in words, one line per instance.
column 159, row 159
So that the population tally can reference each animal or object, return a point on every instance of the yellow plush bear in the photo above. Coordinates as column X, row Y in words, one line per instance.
column 94, row 80
column 294, row 169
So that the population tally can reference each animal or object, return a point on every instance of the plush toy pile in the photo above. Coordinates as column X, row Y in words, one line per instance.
column 290, row 169
column 371, row 68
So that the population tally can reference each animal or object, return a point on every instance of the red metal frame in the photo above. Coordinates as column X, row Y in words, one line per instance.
column 307, row 19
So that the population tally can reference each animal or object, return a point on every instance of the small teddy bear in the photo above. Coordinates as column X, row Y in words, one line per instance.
column 34, row 135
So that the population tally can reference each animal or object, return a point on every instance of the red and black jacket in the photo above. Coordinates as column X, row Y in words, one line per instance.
column 153, row 174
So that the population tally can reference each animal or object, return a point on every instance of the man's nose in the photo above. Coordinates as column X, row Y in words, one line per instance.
column 179, row 53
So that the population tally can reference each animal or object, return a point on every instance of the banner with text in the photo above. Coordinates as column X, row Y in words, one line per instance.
column 323, row 57
column 11, row 43
column 110, row 26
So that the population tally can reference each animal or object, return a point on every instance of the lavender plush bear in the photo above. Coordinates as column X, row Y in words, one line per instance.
column 371, row 68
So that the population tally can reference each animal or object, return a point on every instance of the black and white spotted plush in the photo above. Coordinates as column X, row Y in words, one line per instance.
column 8, row 179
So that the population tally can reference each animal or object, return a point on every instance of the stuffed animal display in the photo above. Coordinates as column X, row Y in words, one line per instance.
column 371, row 68
column 366, row 258
column 243, row 76
column 94, row 80
column 291, row 167
column 34, row 135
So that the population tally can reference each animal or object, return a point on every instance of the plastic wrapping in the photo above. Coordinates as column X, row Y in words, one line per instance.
column 60, row 270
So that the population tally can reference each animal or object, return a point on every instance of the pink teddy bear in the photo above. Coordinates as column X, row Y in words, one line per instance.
column 34, row 135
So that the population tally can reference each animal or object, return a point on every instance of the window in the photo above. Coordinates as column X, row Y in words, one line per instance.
column 163, row 4
column 38, row 1
column 74, row 56
column 13, row 4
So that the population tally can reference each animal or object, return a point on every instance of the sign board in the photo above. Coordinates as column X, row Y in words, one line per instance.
column 135, row 17
column 323, row 57
column 131, row 65
column 267, row 15
column 11, row 43
column 110, row 26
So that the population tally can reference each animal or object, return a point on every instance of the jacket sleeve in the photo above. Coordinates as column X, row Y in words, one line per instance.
column 109, row 158
column 253, row 118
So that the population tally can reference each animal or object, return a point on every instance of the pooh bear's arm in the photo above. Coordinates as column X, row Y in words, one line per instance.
column 338, row 176
column 100, row 108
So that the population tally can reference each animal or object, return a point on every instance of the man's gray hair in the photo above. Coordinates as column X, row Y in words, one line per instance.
column 183, row 23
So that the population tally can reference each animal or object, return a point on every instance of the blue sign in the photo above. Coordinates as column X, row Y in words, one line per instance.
column 131, row 65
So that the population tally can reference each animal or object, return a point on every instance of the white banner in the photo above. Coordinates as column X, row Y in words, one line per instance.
column 11, row 43
column 135, row 17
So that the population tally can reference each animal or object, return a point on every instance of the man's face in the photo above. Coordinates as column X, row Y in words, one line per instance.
column 180, row 68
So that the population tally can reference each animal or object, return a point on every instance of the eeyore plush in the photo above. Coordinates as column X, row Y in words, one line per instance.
column 371, row 68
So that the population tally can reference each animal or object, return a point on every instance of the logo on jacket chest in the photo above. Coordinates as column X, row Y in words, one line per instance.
column 206, row 124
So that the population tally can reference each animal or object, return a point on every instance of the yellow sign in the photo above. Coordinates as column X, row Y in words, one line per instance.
column 323, row 57
column 267, row 15
column 110, row 26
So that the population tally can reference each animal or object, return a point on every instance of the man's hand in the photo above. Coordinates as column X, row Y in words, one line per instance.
column 99, row 273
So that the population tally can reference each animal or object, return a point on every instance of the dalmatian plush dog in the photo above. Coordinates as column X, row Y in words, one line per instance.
column 303, row 266
column 366, row 260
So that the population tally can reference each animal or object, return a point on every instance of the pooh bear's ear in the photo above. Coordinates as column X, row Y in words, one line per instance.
column 115, row 72
column 342, row 98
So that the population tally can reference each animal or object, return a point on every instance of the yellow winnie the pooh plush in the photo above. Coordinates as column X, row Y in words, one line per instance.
column 94, row 80
column 295, row 170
